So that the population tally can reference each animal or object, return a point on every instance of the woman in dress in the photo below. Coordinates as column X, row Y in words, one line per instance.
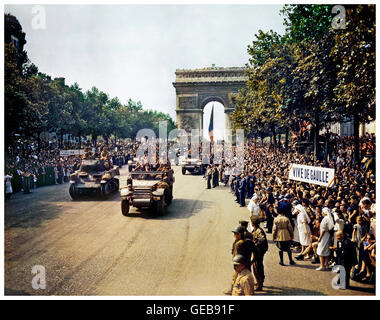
column 323, row 250
column 8, row 185
column 304, row 231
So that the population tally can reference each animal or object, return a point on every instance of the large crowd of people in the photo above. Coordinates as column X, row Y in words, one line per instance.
column 328, row 226
column 28, row 167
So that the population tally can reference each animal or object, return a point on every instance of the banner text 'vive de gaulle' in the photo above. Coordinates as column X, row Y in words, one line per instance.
column 309, row 174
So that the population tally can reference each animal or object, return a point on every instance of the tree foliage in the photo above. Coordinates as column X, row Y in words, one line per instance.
column 312, row 73
column 35, row 103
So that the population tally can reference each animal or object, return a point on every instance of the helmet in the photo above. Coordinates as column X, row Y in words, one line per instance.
column 238, row 229
column 239, row 259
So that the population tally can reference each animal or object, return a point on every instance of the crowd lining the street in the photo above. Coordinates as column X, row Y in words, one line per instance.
column 328, row 226
column 27, row 168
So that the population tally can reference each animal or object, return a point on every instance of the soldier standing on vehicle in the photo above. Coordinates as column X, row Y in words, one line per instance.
column 88, row 154
column 105, row 156
column 261, row 243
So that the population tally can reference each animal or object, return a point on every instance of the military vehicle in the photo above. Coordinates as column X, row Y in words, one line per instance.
column 153, row 190
column 94, row 177
column 194, row 166
column 132, row 164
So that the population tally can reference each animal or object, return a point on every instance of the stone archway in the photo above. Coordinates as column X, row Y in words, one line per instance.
column 195, row 88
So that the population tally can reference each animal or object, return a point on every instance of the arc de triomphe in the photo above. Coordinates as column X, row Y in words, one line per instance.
column 197, row 87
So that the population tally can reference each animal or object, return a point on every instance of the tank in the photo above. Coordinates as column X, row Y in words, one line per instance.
column 94, row 178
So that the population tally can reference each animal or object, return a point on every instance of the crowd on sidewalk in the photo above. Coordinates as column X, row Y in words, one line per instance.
column 327, row 226
column 28, row 167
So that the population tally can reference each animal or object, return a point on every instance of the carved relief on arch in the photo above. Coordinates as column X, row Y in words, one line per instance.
column 188, row 101
column 187, row 123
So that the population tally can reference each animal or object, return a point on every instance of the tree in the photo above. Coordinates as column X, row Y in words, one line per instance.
column 306, row 22
column 354, row 51
column 15, row 99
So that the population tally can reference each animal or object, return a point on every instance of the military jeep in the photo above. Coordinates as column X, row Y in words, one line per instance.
column 152, row 190
column 94, row 177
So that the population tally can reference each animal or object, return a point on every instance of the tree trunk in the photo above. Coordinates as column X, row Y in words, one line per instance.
column 356, row 138
column 287, row 139
column 274, row 138
column 80, row 141
column 316, row 137
column 61, row 138
column 39, row 141
column 326, row 149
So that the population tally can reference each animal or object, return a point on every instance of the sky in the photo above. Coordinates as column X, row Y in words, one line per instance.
column 132, row 51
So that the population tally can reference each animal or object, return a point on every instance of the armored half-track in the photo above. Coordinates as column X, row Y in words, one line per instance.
column 152, row 190
column 194, row 166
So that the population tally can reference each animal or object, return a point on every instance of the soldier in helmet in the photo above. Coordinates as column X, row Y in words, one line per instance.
column 88, row 154
column 244, row 247
column 244, row 284
column 261, row 243
column 104, row 155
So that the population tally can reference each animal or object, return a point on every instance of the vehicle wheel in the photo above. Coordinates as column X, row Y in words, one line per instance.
column 168, row 196
column 125, row 207
column 183, row 171
column 105, row 190
column 72, row 192
column 116, row 185
column 160, row 207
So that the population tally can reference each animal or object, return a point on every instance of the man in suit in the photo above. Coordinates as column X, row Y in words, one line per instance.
column 345, row 254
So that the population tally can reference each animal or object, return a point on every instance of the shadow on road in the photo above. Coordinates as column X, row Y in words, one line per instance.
column 28, row 218
column 179, row 209
column 286, row 291
column 12, row 292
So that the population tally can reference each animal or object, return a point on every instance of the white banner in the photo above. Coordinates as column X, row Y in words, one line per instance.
column 67, row 153
column 315, row 175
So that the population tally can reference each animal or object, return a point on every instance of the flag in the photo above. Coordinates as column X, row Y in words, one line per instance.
column 211, row 125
